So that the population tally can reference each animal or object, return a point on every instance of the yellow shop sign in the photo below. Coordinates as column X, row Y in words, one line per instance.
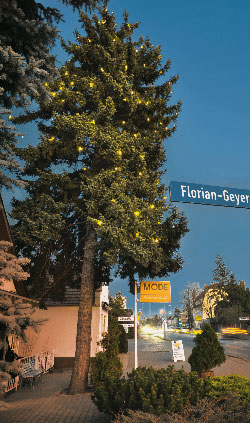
column 155, row 292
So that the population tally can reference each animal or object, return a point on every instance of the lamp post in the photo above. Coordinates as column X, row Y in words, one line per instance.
column 164, row 320
column 170, row 312
column 135, row 327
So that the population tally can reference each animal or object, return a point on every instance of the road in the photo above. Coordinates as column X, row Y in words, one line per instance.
column 147, row 342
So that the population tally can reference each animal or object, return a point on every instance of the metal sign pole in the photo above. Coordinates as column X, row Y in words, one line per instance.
column 136, row 320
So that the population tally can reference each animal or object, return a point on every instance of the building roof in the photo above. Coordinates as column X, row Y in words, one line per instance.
column 71, row 297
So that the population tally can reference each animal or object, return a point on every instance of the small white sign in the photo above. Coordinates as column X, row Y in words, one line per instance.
column 128, row 325
column 126, row 319
column 177, row 351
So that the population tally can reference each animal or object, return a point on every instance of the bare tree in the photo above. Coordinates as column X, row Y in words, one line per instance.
column 191, row 299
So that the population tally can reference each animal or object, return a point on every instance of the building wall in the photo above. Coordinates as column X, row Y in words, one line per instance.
column 99, row 325
column 58, row 333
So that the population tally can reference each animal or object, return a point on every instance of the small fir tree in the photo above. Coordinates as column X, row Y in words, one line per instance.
column 118, row 309
column 15, row 315
column 208, row 351
column 107, row 363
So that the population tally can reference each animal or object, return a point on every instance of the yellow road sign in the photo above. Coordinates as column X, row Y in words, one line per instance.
column 155, row 292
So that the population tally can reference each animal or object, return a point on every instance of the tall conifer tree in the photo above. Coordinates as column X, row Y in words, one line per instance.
column 101, row 155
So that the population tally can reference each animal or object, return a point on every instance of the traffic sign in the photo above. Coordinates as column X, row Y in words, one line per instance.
column 128, row 325
column 126, row 319
column 155, row 292
column 208, row 194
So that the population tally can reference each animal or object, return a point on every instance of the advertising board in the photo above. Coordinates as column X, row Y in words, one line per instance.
column 155, row 292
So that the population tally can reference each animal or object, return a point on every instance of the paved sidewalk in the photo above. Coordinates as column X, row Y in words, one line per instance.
column 48, row 402
column 233, row 365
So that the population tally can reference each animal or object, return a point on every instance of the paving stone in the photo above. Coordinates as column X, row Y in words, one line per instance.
column 48, row 403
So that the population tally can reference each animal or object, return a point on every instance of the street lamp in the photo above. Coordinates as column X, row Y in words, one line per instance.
column 170, row 312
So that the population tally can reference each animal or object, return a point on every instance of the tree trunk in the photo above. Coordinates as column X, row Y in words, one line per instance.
column 79, row 377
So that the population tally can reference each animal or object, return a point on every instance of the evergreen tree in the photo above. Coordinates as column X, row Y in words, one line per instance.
column 217, row 291
column 117, row 306
column 221, row 274
column 208, row 352
column 101, row 154
column 10, row 265
column 15, row 317
column 27, row 33
column 235, row 304
column 25, row 41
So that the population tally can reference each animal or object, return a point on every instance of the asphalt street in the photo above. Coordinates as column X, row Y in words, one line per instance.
column 147, row 342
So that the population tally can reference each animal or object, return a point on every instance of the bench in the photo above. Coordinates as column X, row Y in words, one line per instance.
column 12, row 384
column 32, row 369
column 29, row 371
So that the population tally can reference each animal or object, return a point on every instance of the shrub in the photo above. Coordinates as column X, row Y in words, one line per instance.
column 208, row 352
column 107, row 363
column 207, row 411
column 150, row 390
column 103, row 366
column 238, row 386
column 123, row 341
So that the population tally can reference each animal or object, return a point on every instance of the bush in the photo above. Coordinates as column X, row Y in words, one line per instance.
column 207, row 411
column 208, row 352
column 150, row 390
column 238, row 386
column 103, row 366
column 123, row 341
column 107, row 363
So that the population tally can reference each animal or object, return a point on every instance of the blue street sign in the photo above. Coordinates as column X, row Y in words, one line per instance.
column 186, row 192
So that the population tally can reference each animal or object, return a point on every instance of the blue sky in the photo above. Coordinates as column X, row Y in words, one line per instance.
column 208, row 42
